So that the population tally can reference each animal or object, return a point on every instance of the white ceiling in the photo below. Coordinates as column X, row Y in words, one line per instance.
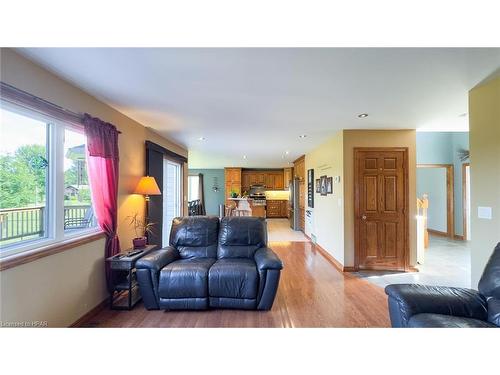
column 256, row 102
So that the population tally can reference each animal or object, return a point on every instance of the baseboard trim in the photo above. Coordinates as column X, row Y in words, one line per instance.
column 331, row 259
column 86, row 317
column 437, row 233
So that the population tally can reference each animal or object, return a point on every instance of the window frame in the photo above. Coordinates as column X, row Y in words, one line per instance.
column 54, row 194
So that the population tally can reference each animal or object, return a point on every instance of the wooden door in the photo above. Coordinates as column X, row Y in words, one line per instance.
column 381, row 208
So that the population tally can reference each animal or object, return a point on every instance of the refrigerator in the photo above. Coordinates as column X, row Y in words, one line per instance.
column 293, row 204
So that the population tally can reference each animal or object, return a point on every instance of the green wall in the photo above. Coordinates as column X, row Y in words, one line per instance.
column 442, row 148
column 212, row 199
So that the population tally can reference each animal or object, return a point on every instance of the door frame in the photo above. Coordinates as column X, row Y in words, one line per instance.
column 406, row 209
column 450, row 199
column 464, row 199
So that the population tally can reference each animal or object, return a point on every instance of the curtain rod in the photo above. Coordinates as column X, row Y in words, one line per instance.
column 23, row 98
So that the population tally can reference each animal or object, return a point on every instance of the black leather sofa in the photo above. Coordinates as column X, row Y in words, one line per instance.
column 424, row 306
column 211, row 264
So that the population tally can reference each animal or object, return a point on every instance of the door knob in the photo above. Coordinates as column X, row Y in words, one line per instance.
column 363, row 217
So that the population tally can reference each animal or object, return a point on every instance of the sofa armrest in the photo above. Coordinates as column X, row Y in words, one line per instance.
column 157, row 259
column 266, row 259
column 148, row 274
column 406, row 300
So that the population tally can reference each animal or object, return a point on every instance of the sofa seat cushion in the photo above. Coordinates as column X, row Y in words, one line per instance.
column 185, row 278
column 233, row 278
column 446, row 321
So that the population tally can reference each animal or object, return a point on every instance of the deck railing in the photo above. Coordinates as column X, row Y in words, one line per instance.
column 21, row 223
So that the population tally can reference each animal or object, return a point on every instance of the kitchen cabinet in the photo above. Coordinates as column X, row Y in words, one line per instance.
column 271, row 179
column 245, row 182
column 287, row 177
column 232, row 181
column 299, row 168
column 278, row 183
column 284, row 208
column 276, row 208
column 299, row 171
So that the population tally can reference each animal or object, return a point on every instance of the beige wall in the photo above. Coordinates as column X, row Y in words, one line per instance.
column 377, row 138
column 25, row 75
column 58, row 289
column 328, row 225
column 484, row 140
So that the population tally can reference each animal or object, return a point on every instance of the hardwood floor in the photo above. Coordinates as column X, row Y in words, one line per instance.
column 312, row 293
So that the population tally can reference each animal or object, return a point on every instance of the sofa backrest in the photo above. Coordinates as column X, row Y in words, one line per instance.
column 489, row 285
column 241, row 236
column 195, row 236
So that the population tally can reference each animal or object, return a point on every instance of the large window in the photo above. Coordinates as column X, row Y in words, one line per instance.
column 44, row 189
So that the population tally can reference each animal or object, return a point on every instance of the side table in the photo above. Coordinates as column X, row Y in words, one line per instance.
column 124, row 286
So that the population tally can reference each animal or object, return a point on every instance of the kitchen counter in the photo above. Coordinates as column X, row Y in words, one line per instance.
column 246, row 204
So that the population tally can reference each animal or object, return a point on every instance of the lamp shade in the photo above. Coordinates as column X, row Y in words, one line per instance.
column 147, row 186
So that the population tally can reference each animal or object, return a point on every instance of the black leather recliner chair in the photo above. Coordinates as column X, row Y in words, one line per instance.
column 424, row 306
column 214, row 264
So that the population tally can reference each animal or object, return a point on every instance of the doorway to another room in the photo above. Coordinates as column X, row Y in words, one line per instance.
column 443, row 202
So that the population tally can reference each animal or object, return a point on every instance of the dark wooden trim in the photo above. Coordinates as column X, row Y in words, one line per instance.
column 34, row 103
column 168, row 153
column 92, row 313
column 437, row 233
column 450, row 196
column 464, row 200
column 28, row 256
column 406, row 183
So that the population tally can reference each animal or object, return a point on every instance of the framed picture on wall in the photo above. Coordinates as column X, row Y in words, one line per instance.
column 310, row 188
column 318, row 186
column 323, row 185
column 329, row 185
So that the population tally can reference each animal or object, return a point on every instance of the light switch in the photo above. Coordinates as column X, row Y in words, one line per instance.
column 336, row 179
column 484, row 213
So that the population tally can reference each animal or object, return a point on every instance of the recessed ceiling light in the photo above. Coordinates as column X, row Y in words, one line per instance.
column 363, row 115
column 201, row 138
column 303, row 136
column 287, row 152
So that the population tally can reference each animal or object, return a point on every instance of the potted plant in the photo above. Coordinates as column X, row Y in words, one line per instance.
column 141, row 226
column 234, row 194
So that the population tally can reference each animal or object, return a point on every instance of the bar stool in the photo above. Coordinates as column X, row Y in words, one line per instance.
column 230, row 207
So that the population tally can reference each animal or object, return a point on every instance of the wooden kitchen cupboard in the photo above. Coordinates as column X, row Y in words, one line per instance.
column 299, row 170
column 287, row 177
column 232, row 180
column 271, row 179
column 276, row 208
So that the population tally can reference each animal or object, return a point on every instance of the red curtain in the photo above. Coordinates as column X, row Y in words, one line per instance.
column 102, row 161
